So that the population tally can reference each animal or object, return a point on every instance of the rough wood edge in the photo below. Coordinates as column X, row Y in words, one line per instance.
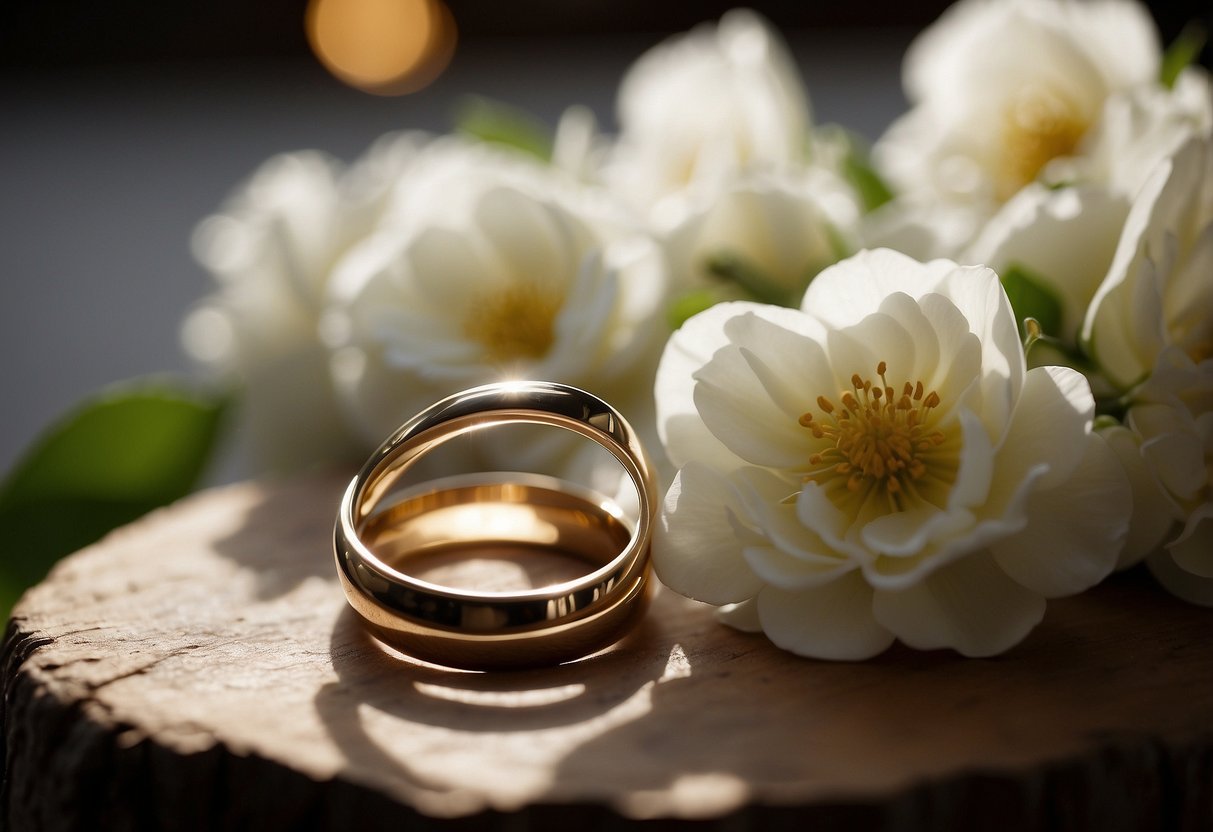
column 1144, row 784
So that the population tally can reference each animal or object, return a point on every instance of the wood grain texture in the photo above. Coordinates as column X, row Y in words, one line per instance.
column 198, row 670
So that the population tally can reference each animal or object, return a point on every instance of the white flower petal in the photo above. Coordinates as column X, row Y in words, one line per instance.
column 832, row 621
column 923, row 335
column 531, row 241
column 978, row 294
column 849, row 291
column 696, row 550
column 1193, row 550
column 976, row 471
column 919, row 225
column 791, row 361
column 850, row 353
column 765, row 497
column 1171, row 448
column 1122, row 38
column 1180, row 582
column 779, row 569
column 1056, row 407
column 953, row 376
column 905, row 532
column 970, row 606
column 1074, row 530
column 679, row 425
column 1149, row 291
column 820, row 515
column 860, row 348
column 447, row 274
column 741, row 616
column 739, row 410
column 957, row 537
column 1153, row 513
column 580, row 329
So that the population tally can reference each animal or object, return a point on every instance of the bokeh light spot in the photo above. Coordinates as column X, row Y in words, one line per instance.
column 386, row 47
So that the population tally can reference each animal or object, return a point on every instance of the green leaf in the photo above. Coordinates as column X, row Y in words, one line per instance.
column 848, row 153
column 120, row 454
column 840, row 246
column 745, row 273
column 1183, row 51
column 873, row 192
column 498, row 123
column 690, row 304
column 1031, row 298
column 855, row 164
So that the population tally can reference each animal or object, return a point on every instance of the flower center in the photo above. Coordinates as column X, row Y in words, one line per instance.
column 516, row 323
column 1039, row 125
column 876, row 438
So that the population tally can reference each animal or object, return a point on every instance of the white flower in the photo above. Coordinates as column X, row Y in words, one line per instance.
column 1166, row 447
column 500, row 272
column 999, row 90
column 1139, row 128
column 880, row 465
column 1158, row 290
column 1064, row 238
column 704, row 105
column 781, row 230
column 271, row 251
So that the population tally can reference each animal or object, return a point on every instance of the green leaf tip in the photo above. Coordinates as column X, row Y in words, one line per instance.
column 498, row 123
column 688, row 305
column 751, row 278
column 1182, row 52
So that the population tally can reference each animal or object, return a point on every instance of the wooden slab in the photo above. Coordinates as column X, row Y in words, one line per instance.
column 198, row 670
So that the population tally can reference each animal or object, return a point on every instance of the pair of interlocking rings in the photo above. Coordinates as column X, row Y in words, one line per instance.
column 380, row 527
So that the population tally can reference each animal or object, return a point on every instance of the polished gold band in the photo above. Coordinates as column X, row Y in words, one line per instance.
column 494, row 630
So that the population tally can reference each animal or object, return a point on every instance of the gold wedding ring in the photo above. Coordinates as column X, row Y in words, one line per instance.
column 379, row 530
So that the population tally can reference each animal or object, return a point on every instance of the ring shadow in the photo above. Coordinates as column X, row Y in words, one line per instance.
column 286, row 535
column 373, row 675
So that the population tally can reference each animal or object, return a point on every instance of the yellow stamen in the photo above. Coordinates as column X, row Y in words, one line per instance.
column 518, row 322
column 878, row 439
column 1039, row 124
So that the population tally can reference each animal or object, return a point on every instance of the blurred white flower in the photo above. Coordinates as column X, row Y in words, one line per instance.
column 1000, row 89
column 702, row 106
column 271, row 250
column 500, row 271
column 1158, row 291
column 1137, row 129
column 1064, row 239
column 765, row 236
column 881, row 465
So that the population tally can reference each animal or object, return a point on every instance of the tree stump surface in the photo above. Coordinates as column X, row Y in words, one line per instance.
column 198, row 669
